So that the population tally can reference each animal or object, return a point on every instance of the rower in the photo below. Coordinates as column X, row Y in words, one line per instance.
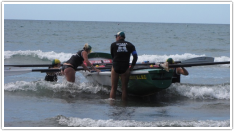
column 52, row 76
column 177, row 71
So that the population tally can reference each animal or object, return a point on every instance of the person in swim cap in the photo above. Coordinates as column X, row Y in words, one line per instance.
column 70, row 66
column 52, row 76
column 56, row 62
column 177, row 71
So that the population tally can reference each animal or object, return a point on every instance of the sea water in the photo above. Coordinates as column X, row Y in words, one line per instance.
column 202, row 99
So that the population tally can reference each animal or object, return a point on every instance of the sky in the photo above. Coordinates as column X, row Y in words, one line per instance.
column 211, row 13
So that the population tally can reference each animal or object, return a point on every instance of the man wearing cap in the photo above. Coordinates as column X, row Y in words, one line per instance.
column 121, row 51
column 52, row 76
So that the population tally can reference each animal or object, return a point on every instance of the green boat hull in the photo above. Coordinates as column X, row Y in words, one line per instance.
column 154, row 80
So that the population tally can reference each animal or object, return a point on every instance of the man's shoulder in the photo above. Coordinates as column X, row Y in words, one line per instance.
column 125, row 42
column 129, row 42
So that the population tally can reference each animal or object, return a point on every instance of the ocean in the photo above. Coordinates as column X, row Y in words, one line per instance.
column 201, row 100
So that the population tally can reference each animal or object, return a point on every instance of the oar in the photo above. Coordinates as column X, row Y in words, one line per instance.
column 198, row 61
column 13, row 71
column 182, row 65
column 19, row 70
column 33, row 65
column 192, row 60
column 198, row 64
column 58, row 70
column 23, row 71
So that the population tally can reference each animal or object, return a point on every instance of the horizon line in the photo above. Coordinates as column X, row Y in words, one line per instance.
column 121, row 21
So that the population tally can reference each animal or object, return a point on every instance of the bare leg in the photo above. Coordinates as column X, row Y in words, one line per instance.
column 124, row 81
column 114, row 83
column 70, row 74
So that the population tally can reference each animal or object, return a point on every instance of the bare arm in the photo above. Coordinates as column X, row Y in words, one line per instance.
column 85, row 56
column 85, row 67
column 182, row 71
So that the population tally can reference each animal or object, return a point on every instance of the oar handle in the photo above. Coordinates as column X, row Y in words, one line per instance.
column 58, row 70
column 36, row 65
column 46, row 70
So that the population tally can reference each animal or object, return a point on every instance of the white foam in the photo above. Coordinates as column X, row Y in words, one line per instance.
column 65, row 56
column 55, row 87
column 221, row 91
column 163, row 58
column 38, row 53
column 88, row 122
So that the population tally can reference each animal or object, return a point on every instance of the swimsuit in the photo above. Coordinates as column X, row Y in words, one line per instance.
column 75, row 61
column 51, row 78
column 67, row 66
column 175, row 77
column 120, row 68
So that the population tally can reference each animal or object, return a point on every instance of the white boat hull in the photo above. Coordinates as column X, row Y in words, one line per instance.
column 103, row 78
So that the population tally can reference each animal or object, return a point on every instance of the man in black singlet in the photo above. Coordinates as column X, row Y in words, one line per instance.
column 121, row 51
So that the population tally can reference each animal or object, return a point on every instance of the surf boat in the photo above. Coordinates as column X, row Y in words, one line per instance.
column 143, row 80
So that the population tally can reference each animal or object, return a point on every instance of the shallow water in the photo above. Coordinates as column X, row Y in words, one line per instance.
column 202, row 99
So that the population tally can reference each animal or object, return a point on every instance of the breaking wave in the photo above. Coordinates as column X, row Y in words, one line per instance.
column 192, row 91
column 87, row 122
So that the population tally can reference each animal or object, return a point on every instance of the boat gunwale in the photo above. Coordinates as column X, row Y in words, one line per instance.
column 136, row 72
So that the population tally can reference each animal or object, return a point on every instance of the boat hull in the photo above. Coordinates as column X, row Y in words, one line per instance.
column 103, row 78
column 142, row 82
column 148, row 81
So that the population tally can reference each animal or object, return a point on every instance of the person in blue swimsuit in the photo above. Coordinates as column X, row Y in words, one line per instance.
column 121, row 51
column 69, row 67
column 52, row 76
